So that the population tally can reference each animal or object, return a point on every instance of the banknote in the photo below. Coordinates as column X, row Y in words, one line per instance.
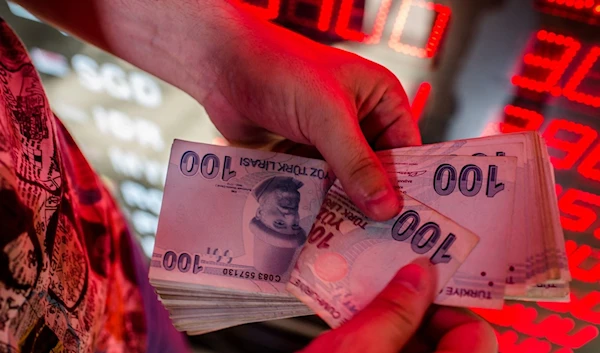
column 478, row 193
column 235, row 219
column 349, row 258
column 519, row 267
column 538, row 247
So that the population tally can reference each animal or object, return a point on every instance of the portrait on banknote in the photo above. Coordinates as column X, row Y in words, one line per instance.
column 276, row 223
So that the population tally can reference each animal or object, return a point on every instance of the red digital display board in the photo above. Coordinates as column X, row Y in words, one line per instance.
column 560, row 72
column 335, row 17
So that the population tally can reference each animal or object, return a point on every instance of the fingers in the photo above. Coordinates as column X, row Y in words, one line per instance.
column 389, row 323
column 457, row 330
column 390, row 124
column 344, row 147
column 392, row 318
column 402, row 132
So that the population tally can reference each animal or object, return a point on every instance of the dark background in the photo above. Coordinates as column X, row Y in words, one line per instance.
column 488, row 70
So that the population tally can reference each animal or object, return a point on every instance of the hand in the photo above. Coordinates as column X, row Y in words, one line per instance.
column 262, row 85
column 281, row 91
column 400, row 319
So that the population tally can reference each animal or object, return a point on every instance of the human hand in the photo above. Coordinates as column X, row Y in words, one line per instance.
column 281, row 91
column 400, row 319
column 262, row 85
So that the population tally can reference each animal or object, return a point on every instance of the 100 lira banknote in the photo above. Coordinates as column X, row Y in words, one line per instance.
column 235, row 218
column 349, row 259
column 477, row 192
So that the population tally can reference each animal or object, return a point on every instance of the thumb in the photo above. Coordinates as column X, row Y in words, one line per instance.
column 393, row 317
column 344, row 147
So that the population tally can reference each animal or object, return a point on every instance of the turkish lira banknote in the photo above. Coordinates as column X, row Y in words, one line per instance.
column 537, row 264
column 247, row 235
column 235, row 218
column 349, row 259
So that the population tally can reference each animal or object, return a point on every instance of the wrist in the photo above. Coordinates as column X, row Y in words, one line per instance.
column 197, row 41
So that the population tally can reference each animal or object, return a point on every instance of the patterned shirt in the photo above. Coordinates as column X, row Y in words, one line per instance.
column 72, row 279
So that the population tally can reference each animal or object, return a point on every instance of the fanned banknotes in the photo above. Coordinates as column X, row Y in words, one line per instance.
column 247, row 235
column 537, row 267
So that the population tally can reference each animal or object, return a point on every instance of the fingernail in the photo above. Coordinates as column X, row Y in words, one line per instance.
column 383, row 204
column 412, row 276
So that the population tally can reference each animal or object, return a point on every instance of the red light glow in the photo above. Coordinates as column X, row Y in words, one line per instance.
column 268, row 13
column 585, row 11
column 579, row 206
column 325, row 10
column 554, row 328
column 439, row 26
column 342, row 30
column 583, row 69
column 572, row 150
column 531, row 120
column 577, row 258
column 589, row 166
column 577, row 4
column 507, row 342
column 420, row 99
column 556, row 67
column 584, row 308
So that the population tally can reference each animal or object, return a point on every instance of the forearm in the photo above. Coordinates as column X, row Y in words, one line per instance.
column 178, row 41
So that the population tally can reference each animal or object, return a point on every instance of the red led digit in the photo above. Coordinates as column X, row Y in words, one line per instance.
column 576, row 204
column 556, row 329
column 514, row 115
column 560, row 330
column 556, row 68
column 586, row 308
column 325, row 9
column 271, row 11
column 572, row 150
column 507, row 343
column 570, row 90
column 580, row 5
column 342, row 30
column 420, row 99
column 439, row 27
column 577, row 258
column 559, row 189
column 577, row 4
column 589, row 166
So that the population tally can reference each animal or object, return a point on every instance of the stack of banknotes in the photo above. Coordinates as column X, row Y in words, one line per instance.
column 251, row 235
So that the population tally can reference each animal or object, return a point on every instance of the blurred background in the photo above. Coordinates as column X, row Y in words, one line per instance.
column 470, row 68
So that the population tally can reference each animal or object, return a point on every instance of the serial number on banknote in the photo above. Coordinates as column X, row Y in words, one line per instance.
column 251, row 275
